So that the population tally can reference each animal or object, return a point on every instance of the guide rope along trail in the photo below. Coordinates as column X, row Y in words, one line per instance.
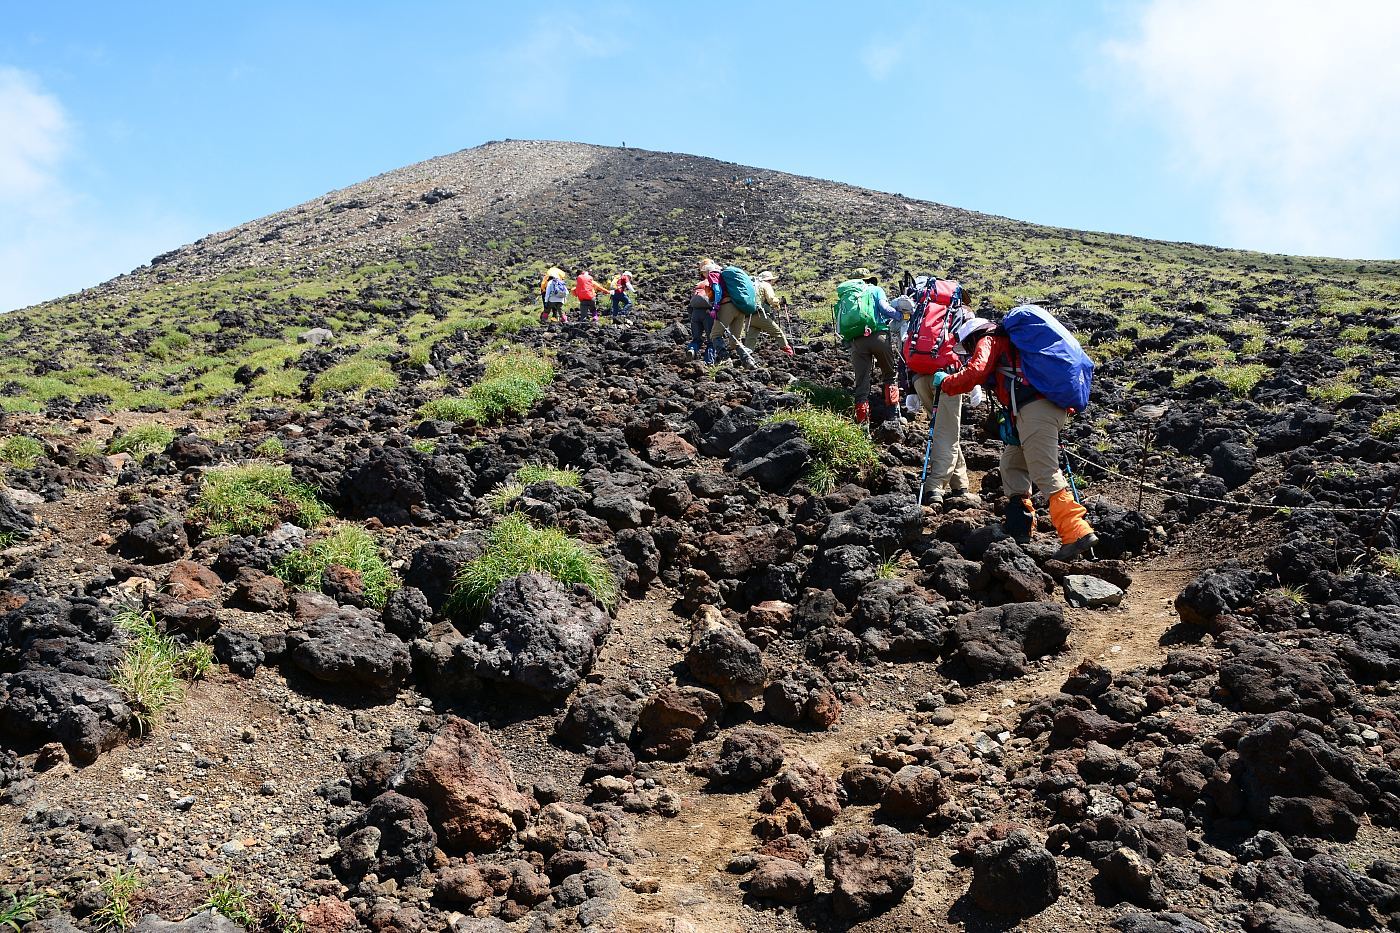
column 1070, row 448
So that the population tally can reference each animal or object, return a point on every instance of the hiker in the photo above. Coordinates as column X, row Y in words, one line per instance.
column 764, row 320
column 702, row 302
column 862, row 316
column 1030, row 421
column 554, row 272
column 621, row 303
column 555, row 292
column 736, row 298
column 586, row 291
column 929, row 346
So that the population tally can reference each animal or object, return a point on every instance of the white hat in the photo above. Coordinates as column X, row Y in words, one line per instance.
column 767, row 276
column 971, row 326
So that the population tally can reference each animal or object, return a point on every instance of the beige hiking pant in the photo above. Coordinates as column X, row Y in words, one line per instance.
column 946, row 463
column 865, row 353
column 730, row 325
column 762, row 323
column 1037, row 458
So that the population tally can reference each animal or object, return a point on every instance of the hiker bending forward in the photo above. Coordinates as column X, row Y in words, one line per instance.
column 1032, row 438
column 764, row 320
column 873, row 348
column 729, row 324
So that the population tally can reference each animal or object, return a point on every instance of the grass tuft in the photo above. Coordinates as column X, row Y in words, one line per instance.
column 1387, row 425
column 231, row 900
column 154, row 668
column 515, row 547
column 513, row 382
column 839, row 445
column 504, row 494
column 119, row 888
column 348, row 546
column 272, row 449
column 354, row 376
column 142, row 440
column 18, row 909
column 21, row 452
column 252, row 499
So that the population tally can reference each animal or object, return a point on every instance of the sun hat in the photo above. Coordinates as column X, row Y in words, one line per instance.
column 865, row 275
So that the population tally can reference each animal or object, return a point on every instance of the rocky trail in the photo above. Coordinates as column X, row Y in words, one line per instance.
column 356, row 600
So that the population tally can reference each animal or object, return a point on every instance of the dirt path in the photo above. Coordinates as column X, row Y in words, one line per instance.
column 689, row 853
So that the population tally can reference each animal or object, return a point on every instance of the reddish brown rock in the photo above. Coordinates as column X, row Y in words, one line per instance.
column 328, row 915
column 469, row 789
column 189, row 581
column 673, row 718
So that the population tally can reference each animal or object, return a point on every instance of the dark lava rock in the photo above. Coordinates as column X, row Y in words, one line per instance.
column 433, row 567
column 258, row 591
column 1015, row 877
column 872, row 869
column 537, row 635
column 802, row 697
column 888, row 522
column 1004, row 564
column 1266, row 680
column 1132, row 876
column 14, row 520
column 1216, row 594
column 89, row 716
column 600, row 714
column 996, row 643
column 728, row 663
column 407, row 613
column 746, row 757
column 805, row 784
column 156, row 536
column 776, row 455
column 206, row 921
column 350, row 648
column 1159, row 922
column 392, row 839
column 402, row 486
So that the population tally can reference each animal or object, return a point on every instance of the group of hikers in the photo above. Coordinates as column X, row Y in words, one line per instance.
column 1036, row 371
column 1032, row 368
column 555, row 291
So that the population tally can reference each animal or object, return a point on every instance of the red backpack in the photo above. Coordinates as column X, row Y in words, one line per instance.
column 930, row 346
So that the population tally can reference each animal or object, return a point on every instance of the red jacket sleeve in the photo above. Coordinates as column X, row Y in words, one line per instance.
column 978, row 369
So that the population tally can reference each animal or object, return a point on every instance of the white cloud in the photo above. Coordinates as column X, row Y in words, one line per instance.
column 1286, row 108
column 54, row 240
column 881, row 58
column 537, row 72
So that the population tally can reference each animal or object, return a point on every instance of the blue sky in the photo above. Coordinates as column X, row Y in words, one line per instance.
column 126, row 130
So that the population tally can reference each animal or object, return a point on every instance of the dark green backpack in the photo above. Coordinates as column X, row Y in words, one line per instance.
column 854, row 312
column 739, row 289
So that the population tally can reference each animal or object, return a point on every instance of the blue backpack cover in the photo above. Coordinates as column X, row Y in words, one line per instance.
column 1050, row 359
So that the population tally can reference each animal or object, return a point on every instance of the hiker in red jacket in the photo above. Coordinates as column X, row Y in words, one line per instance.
column 1031, row 434
column 586, row 291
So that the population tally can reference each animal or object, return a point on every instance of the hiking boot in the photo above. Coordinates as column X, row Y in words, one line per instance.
column 1076, row 549
column 934, row 498
column 967, row 498
column 892, row 396
column 863, row 413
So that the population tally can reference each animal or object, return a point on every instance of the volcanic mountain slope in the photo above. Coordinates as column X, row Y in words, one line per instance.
column 441, row 619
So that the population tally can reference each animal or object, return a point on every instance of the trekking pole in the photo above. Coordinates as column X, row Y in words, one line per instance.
column 1069, row 471
column 928, row 446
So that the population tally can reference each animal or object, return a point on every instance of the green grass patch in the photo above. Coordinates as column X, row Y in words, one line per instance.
column 272, row 449
column 839, row 445
column 1387, row 425
column 1342, row 387
column 514, row 381
column 230, row 899
column 504, row 494
column 1242, row 379
column 154, row 667
column 348, row 546
column 515, row 547
column 251, row 499
column 142, row 440
column 355, row 377
column 116, row 914
column 18, row 909
column 21, row 452
column 826, row 397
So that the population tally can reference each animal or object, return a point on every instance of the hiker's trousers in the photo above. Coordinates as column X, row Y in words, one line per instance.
column 700, row 323
column 865, row 353
column 946, row 463
column 730, row 324
column 1037, row 458
column 761, row 322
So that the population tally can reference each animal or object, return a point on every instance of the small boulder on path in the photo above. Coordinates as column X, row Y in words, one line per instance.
column 1014, row 877
column 873, row 870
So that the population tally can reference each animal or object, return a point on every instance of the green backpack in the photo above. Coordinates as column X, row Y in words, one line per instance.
column 739, row 289
column 855, row 310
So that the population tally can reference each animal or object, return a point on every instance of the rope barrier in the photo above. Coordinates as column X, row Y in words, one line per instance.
column 1231, row 502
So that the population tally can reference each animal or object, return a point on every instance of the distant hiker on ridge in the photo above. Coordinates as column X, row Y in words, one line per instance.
column 764, row 320
column 586, row 291
column 862, row 316
column 1039, row 373
column 556, row 291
